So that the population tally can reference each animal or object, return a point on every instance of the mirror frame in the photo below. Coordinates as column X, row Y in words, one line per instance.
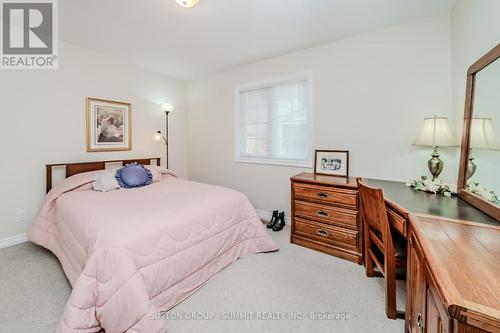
column 473, row 199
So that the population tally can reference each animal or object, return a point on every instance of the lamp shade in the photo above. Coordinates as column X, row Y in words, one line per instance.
column 482, row 135
column 167, row 107
column 436, row 132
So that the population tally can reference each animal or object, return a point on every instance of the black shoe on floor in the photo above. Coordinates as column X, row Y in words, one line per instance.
column 281, row 224
column 274, row 219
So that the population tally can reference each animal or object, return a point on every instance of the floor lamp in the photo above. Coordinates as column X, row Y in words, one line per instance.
column 167, row 108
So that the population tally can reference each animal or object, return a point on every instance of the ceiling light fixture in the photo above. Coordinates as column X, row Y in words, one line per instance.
column 187, row 3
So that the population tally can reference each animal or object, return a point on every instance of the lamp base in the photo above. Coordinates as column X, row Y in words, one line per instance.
column 435, row 164
column 471, row 168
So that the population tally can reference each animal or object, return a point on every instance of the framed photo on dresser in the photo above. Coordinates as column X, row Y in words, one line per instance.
column 331, row 163
column 109, row 125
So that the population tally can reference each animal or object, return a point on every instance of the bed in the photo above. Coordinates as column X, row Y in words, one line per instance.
column 131, row 254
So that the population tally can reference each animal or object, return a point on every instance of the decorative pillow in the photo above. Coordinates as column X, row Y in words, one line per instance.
column 134, row 175
column 105, row 182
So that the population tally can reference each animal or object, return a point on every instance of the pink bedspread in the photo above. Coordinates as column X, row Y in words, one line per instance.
column 131, row 253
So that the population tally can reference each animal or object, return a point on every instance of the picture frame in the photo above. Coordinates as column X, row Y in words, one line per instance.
column 109, row 125
column 331, row 163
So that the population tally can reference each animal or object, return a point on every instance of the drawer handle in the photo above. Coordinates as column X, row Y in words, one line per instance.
column 420, row 323
column 322, row 233
column 322, row 195
column 322, row 213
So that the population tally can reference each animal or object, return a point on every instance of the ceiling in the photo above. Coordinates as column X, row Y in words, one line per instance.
column 220, row 34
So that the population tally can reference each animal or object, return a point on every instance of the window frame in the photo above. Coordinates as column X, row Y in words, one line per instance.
column 271, row 82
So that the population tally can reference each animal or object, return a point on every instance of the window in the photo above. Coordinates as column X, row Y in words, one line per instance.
column 273, row 121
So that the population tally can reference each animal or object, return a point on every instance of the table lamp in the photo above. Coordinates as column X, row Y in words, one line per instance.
column 435, row 133
column 481, row 137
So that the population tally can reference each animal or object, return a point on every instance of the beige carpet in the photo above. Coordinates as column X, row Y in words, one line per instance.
column 293, row 290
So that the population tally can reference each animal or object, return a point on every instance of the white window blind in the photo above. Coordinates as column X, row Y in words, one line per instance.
column 274, row 122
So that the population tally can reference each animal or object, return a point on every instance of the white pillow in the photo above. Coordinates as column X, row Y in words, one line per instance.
column 155, row 172
column 105, row 182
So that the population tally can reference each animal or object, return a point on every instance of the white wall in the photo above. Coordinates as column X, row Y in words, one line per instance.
column 43, row 121
column 475, row 29
column 370, row 95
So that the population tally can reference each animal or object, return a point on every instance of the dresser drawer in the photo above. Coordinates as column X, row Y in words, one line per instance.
column 327, row 214
column 325, row 194
column 328, row 234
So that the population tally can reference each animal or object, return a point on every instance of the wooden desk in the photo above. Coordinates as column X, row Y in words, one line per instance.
column 453, row 271
column 401, row 197
column 453, row 268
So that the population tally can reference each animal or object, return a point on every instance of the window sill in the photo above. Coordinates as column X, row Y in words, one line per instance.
column 275, row 162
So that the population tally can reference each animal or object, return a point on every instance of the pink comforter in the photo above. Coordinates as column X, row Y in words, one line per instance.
column 132, row 253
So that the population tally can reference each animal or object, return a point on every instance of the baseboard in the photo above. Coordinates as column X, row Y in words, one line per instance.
column 266, row 216
column 14, row 240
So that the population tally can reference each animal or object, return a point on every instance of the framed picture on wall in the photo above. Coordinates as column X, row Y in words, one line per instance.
column 331, row 162
column 109, row 125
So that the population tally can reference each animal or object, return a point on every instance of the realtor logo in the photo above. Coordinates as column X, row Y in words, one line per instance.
column 29, row 37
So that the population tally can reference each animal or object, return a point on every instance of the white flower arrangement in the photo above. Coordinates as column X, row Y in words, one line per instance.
column 422, row 183
column 483, row 192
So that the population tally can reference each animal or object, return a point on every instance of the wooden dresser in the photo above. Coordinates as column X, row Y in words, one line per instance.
column 325, row 215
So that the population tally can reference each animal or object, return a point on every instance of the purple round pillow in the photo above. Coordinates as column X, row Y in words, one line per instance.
column 133, row 175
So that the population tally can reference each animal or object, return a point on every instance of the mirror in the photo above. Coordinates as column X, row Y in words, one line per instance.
column 479, row 178
column 484, row 155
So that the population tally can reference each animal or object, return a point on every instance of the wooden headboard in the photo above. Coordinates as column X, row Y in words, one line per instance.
column 76, row 168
